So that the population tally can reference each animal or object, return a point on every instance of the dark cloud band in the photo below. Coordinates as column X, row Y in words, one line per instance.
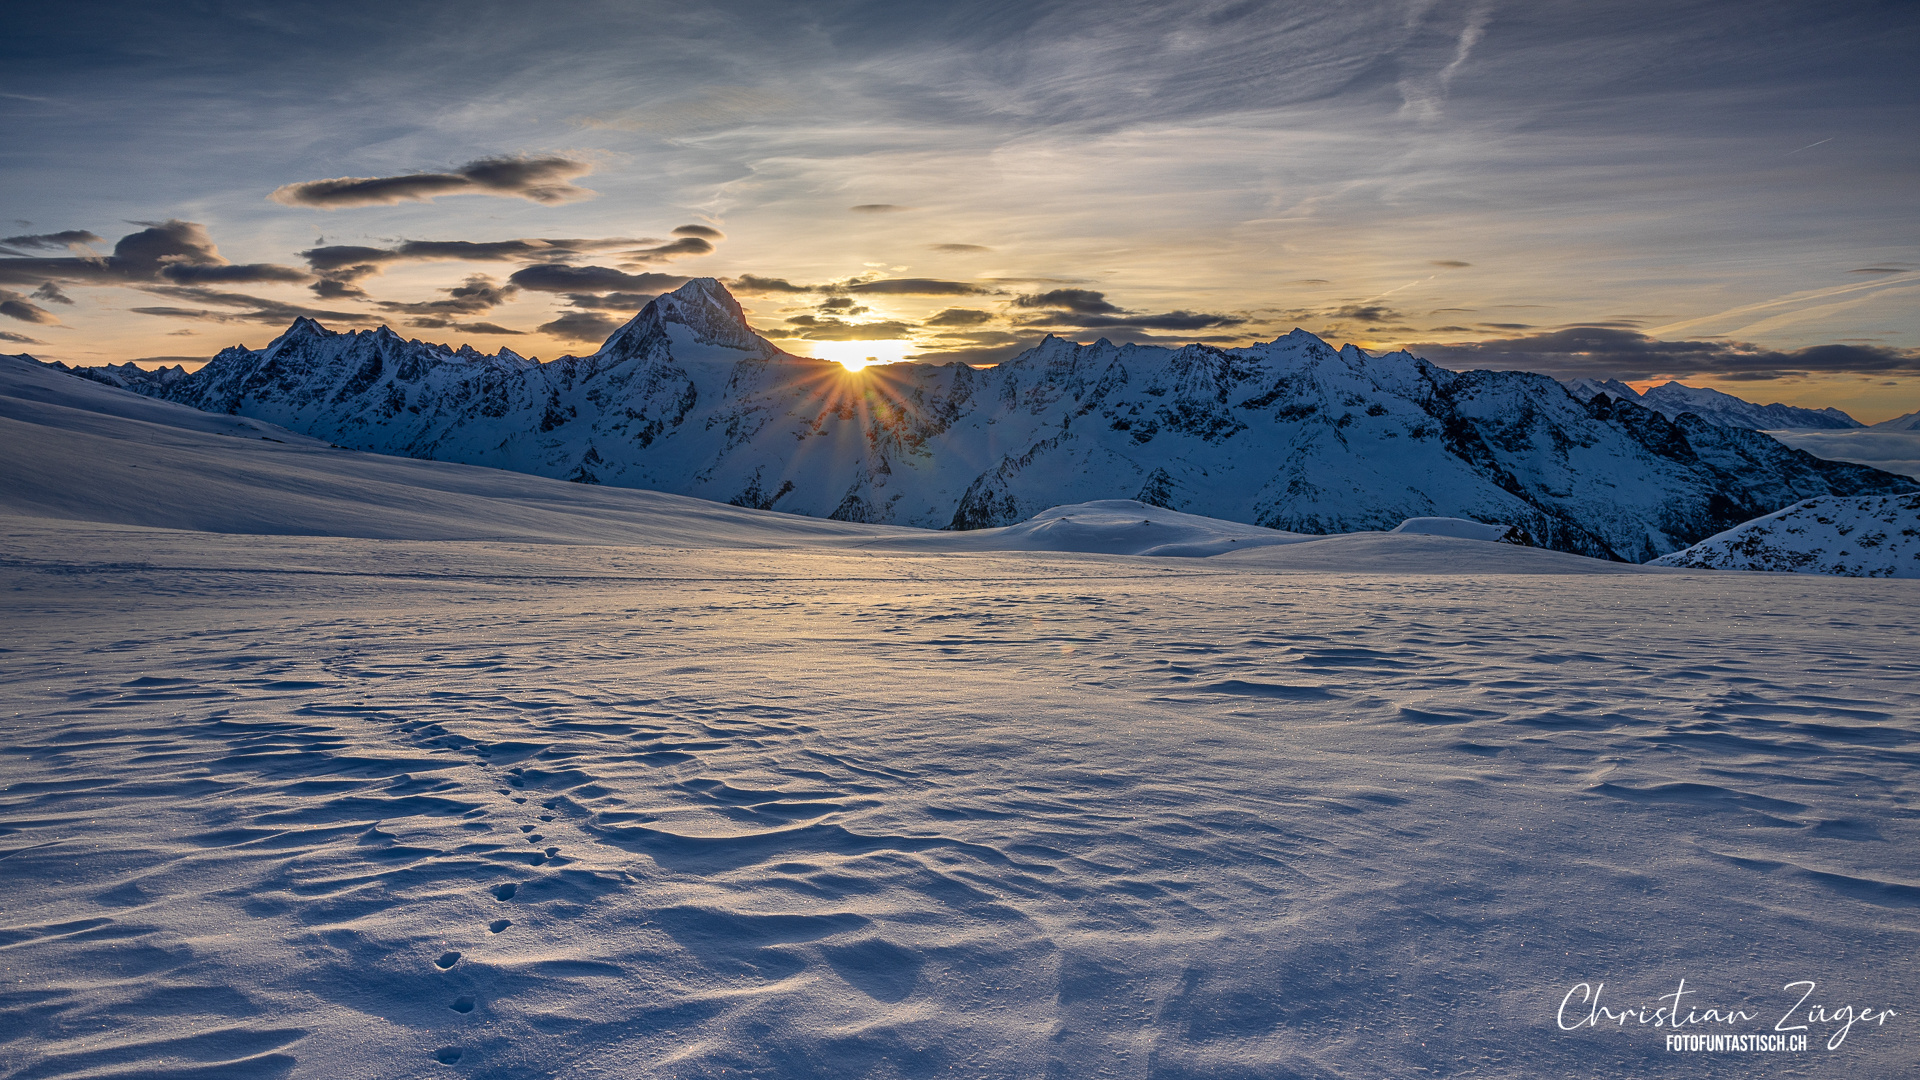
column 1079, row 301
column 164, row 251
column 540, row 179
column 69, row 238
column 15, row 306
column 591, row 279
column 916, row 287
column 1607, row 352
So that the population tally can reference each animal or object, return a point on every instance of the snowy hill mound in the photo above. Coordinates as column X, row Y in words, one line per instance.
column 1672, row 400
column 1290, row 434
column 1460, row 529
column 1872, row 536
column 1108, row 527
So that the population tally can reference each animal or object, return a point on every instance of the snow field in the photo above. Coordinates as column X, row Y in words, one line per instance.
column 336, row 807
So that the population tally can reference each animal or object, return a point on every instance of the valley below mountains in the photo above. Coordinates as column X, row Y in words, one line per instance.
column 1291, row 434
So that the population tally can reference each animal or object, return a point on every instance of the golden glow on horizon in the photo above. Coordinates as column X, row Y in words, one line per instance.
column 854, row 355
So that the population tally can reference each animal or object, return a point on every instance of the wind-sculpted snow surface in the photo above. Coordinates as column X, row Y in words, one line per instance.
column 713, row 791
column 318, row 807
column 1291, row 435
column 1870, row 536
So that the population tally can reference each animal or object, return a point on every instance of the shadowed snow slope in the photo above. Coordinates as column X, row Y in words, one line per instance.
column 1870, row 536
column 697, row 791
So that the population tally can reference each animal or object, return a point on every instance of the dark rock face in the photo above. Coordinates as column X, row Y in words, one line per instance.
column 1290, row 434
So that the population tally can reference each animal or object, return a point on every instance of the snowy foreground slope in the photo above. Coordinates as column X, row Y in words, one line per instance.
column 1290, row 434
column 1874, row 536
column 433, row 789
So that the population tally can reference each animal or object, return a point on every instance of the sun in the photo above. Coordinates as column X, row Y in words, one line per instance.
column 854, row 355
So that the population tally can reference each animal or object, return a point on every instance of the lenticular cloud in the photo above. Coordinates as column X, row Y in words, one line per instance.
column 541, row 179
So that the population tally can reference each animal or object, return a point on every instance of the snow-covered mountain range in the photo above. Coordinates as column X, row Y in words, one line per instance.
column 1291, row 434
column 1864, row 536
column 1671, row 400
column 1909, row 422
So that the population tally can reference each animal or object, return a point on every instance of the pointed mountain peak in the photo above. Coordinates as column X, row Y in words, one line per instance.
column 302, row 329
column 703, row 306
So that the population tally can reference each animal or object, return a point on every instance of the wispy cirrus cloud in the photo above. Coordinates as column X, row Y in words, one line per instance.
column 538, row 179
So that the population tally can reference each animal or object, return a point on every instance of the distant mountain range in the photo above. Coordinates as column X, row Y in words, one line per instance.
column 1291, row 434
column 1909, row 422
column 1671, row 400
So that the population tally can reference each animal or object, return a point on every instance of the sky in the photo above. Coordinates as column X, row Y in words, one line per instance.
column 1723, row 194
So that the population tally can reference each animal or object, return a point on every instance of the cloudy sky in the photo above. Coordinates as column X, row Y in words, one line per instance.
column 1722, row 193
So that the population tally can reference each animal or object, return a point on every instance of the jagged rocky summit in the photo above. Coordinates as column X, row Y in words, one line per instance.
column 1291, row 434
column 1864, row 536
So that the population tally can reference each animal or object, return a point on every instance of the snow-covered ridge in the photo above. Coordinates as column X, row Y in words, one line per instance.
column 1291, row 434
column 1671, row 400
column 1909, row 422
column 77, row 451
column 1866, row 536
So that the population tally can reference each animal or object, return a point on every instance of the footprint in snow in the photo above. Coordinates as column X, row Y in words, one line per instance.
column 504, row 892
column 447, row 960
column 498, row 925
column 447, row 1055
column 462, row 1004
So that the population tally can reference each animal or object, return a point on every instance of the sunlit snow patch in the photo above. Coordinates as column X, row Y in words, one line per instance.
column 1126, row 527
column 1110, row 527
column 1460, row 529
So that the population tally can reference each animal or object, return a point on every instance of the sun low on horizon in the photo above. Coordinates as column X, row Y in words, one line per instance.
column 855, row 355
